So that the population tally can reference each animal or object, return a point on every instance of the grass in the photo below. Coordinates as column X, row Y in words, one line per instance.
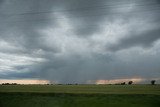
column 80, row 96
column 86, row 89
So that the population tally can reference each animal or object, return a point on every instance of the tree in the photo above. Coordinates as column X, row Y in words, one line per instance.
column 153, row 82
column 123, row 83
column 130, row 82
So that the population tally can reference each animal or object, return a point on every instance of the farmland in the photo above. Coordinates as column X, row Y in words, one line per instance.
column 79, row 95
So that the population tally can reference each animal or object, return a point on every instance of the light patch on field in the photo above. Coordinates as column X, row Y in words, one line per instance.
column 115, row 81
column 25, row 81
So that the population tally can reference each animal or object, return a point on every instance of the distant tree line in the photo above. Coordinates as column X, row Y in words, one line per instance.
column 131, row 82
column 9, row 84
column 124, row 83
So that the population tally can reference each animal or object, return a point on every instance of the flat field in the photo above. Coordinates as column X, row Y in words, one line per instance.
column 79, row 95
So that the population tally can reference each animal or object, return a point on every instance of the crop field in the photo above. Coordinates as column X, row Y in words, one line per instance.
column 79, row 95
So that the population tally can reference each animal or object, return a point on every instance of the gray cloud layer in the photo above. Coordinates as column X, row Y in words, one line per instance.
column 144, row 40
column 76, row 41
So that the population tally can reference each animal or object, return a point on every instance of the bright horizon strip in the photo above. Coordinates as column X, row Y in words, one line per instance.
column 100, row 81
column 115, row 81
column 24, row 81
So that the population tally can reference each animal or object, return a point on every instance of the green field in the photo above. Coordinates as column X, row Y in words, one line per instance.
column 79, row 95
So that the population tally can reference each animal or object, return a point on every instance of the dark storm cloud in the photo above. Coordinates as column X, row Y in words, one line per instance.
column 35, row 32
column 1, row 2
column 13, row 75
column 145, row 40
column 87, row 15
column 24, row 26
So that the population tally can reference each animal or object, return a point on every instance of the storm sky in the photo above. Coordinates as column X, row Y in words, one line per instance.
column 70, row 41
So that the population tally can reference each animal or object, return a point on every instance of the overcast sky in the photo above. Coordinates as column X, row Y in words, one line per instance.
column 70, row 41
